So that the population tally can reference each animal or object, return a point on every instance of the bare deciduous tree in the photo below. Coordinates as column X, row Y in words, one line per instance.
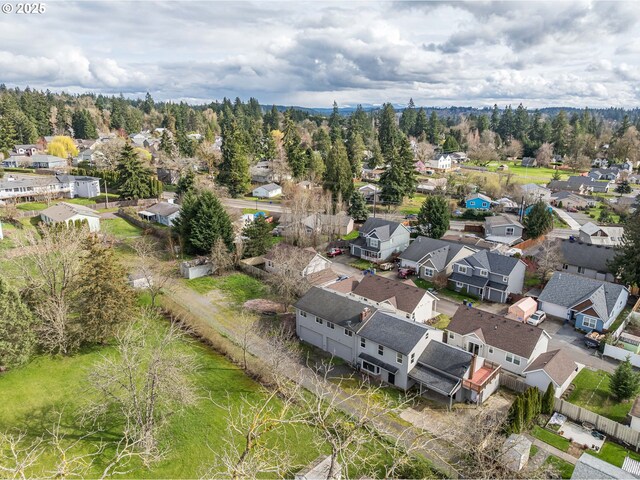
column 221, row 259
column 155, row 272
column 17, row 455
column 145, row 382
column 549, row 258
column 108, row 153
column 544, row 154
column 288, row 278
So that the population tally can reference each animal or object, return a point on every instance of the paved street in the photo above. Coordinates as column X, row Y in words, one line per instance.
column 261, row 204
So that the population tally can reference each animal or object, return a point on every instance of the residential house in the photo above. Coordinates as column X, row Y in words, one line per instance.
column 317, row 223
column 420, row 167
column 534, row 193
column 69, row 213
column 431, row 258
column 529, row 162
column 313, row 262
column 138, row 139
column 267, row 171
column 34, row 188
column 378, row 239
column 507, row 205
column 431, row 184
column 605, row 173
column 164, row 213
column 634, row 178
column 587, row 303
column 589, row 467
column 488, row 276
column 82, row 186
column 168, row 175
column 554, row 367
column 503, row 229
column 511, row 344
column 391, row 295
column 440, row 163
column 267, row 191
column 600, row 234
column 89, row 156
column 571, row 200
column 371, row 174
column 47, row 161
column 478, row 201
column 28, row 150
column 459, row 157
column 580, row 184
column 591, row 261
column 600, row 163
column 370, row 193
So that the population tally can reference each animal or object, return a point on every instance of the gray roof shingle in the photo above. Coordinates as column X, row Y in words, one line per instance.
column 440, row 252
column 393, row 332
column 556, row 363
column 335, row 308
column 446, row 358
column 384, row 229
column 594, row 257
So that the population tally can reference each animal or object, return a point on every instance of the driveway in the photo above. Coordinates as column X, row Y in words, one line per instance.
column 573, row 225
column 580, row 217
column 340, row 265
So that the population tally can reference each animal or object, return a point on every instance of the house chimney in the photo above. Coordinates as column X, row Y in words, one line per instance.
column 473, row 364
column 364, row 314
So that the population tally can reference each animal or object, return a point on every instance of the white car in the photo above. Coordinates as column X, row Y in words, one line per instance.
column 537, row 318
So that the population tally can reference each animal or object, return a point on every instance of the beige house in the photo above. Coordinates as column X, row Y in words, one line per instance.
column 69, row 213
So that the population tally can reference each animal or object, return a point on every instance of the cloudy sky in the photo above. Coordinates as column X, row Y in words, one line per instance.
column 311, row 53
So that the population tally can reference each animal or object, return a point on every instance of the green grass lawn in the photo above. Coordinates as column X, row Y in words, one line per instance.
column 351, row 236
column 564, row 468
column 594, row 213
column 32, row 206
column 361, row 264
column 119, row 228
column 253, row 210
column 615, row 454
column 533, row 451
column 528, row 174
column 551, row 438
column 238, row 286
column 412, row 205
column 457, row 296
column 558, row 222
column 442, row 321
column 422, row 283
column 592, row 392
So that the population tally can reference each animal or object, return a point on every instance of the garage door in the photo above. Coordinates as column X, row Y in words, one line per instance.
column 309, row 336
column 339, row 350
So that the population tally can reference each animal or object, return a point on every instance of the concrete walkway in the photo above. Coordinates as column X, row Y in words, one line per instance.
column 573, row 225
column 552, row 450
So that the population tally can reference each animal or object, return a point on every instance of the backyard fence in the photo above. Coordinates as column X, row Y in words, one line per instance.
column 159, row 232
column 248, row 266
column 532, row 242
column 616, row 430
column 512, row 383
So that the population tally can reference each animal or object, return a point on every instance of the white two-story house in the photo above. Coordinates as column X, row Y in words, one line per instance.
column 511, row 344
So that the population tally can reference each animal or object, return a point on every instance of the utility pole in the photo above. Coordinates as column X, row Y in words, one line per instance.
column 106, row 193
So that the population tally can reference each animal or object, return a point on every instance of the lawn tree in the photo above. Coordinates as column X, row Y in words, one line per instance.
column 548, row 259
column 258, row 233
column 287, row 280
column 556, row 175
column 234, row 169
column 433, row 218
column 544, row 154
column 133, row 176
column 221, row 258
column 186, row 183
column 392, row 183
column 624, row 382
column 337, row 176
column 539, row 220
column 202, row 221
column 548, row 400
column 146, row 381
column 623, row 188
column 17, row 335
column 358, row 207
column 103, row 299
column 50, row 266
column 154, row 272
column 606, row 215
column 626, row 262
column 406, row 158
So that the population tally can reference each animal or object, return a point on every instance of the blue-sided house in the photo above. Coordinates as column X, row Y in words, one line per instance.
column 478, row 201
column 587, row 303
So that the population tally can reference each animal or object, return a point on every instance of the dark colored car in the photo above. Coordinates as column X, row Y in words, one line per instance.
column 334, row 252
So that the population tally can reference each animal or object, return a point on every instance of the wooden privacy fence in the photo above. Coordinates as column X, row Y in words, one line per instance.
column 530, row 243
column 512, row 383
column 616, row 430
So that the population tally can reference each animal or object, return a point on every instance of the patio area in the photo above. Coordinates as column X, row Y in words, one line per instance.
column 582, row 436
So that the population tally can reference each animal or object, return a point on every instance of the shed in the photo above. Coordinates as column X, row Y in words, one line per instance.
column 267, row 191
column 523, row 309
column 516, row 450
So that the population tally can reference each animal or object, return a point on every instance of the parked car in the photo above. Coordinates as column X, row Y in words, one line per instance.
column 334, row 252
column 405, row 272
column 572, row 209
column 386, row 266
column 537, row 318
column 411, row 216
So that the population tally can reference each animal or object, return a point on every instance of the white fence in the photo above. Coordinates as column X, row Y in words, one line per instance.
column 616, row 430
column 621, row 354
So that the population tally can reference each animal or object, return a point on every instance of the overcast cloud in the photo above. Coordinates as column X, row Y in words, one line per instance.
column 311, row 53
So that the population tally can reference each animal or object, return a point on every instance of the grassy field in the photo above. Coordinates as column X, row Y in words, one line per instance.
column 238, row 286
column 412, row 205
column 119, row 228
column 551, row 438
column 615, row 454
column 32, row 206
column 592, row 392
column 528, row 175
column 564, row 468
column 350, row 236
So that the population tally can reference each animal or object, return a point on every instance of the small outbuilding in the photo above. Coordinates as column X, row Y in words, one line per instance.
column 516, row 450
column 523, row 309
column 269, row 190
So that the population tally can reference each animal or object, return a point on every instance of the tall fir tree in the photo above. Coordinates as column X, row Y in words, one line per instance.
column 356, row 152
column 626, row 262
column 337, row 176
column 433, row 129
column 387, row 131
column 295, row 154
column 392, row 182
column 133, row 176
column 434, row 216
column 335, row 124
column 408, row 119
column 234, row 169
column 539, row 220
column 358, row 207
column 625, row 382
column 258, row 237
column 406, row 159
column 421, row 125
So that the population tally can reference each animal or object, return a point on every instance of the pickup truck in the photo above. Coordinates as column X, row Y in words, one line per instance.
column 593, row 339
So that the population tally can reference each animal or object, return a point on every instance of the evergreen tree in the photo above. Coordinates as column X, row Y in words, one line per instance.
column 234, row 169
column 556, row 175
column 167, row 145
column 186, row 183
column 337, row 176
column 495, row 119
column 625, row 382
column 17, row 337
column 548, row 400
column 408, row 119
column 355, row 151
column 539, row 220
column 626, row 262
column 407, row 163
column 387, row 131
column 482, row 124
column 133, row 175
column 515, row 417
column 433, row 129
column 321, row 142
column 450, row 145
column 8, row 137
column 258, row 235
column 83, row 125
column 271, row 120
column 104, row 301
column 506, row 126
column 295, row 154
column 434, row 216
column 335, row 124
column 560, row 133
column 358, row 207
column 202, row 221
column 623, row 187
column 521, row 124
column 392, row 182
column 421, row 125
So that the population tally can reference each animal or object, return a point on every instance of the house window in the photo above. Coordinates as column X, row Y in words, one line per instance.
column 462, row 269
column 373, row 242
column 303, row 314
column 413, row 357
column 451, row 335
column 580, row 269
column 565, row 266
column 348, row 333
column 511, row 358
column 588, row 322
column 509, row 231
column 319, row 320
column 428, row 272
column 485, row 204
column 380, row 350
column 363, row 342
column 370, row 368
column 483, row 273
column 490, row 349
column 459, row 284
column 398, row 358
column 331, row 325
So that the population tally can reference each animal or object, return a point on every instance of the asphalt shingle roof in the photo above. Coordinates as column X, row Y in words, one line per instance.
column 446, row 358
column 595, row 257
column 63, row 211
column 403, row 296
column 335, row 308
column 396, row 333
column 440, row 252
column 384, row 229
column 556, row 363
column 493, row 262
column 434, row 380
column 589, row 467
